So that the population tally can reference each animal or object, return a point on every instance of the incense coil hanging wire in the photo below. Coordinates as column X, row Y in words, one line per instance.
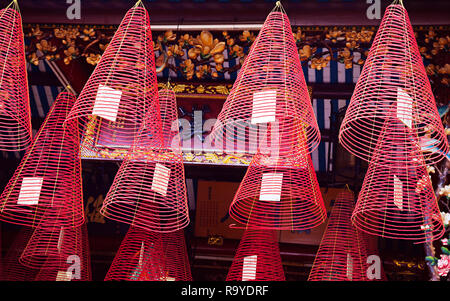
column 270, row 89
column 279, row 193
column 121, row 92
column 15, row 114
column 342, row 251
column 49, row 175
column 393, row 87
column 13, row 270
column 149, row 190
column 151, row 256
column 257, row 258
column 397, row 198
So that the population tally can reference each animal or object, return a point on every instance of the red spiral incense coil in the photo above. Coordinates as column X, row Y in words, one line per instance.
column 69, row 270
column 281, row 194
column 149, row 190
column 257, row 258
column 270, row 89
column 1, row 253
column 49, row 175
column 397, row 198
column 151, row 256
column 121, row 92
column 393, row 87
column 342, row 251
column 13, row 270
column 15, row 116
column 1, row 256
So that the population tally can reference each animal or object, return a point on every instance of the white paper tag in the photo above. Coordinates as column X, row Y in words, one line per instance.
column 398, row 193
column 30, row 191
column 271, row 187
column 264, row 106
column 249, row 268
column 349, row 267
column 107, row 103
column 167, row 278
column 64, row 276
column 404, row 107
column 161, row 178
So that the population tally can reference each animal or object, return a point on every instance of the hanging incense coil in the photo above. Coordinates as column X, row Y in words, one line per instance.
column 397, row 199
column 55, row 247
column 49, row 175
column 149, row 190
column 269, row 95
column 13, row 269
column 257, row 258
column 374, row 263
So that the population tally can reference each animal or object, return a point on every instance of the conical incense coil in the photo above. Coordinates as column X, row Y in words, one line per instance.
column 1, row 256
column 55, row 247
column 49, row 175
column 149, row 190
column 15, row 116
column 75, row 267
column 393, row 86
column 257, row 258
column 270, row 88
column 151, row 256
column 397, row 198
column 121, row 91
column 281, row 194
column 342, row 252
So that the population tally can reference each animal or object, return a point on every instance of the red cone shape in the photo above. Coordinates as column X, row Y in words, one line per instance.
column 342, row 253
column 151, row 256
column 279, row 194
column 121, row 91
column 149, row 190
column 56, row 247
column 270, row 89
column 13, row 269
column 73, row 259
column 257, row 258
column 49, row 175
column 1, row 257
column 397, row 198
column 15, row 116
column 393, row 86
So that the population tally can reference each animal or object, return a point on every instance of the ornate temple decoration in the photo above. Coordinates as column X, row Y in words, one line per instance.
column 210, row 55
column 199, row 90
